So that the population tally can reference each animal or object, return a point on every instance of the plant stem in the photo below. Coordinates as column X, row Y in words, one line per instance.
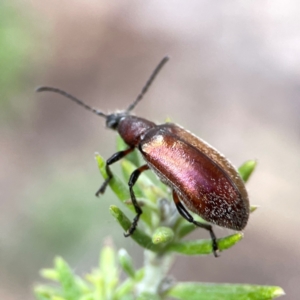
column 156, row 267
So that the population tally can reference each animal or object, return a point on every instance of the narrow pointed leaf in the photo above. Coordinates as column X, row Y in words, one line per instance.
column 67, row 279
column 108, row 267
column 253, row 208
column 120, row 189
column 116, row 184
column 126, row 263
column 201, row 247
column 246, row 169
column 50, row 274
column 210, row 291
column 138, row 236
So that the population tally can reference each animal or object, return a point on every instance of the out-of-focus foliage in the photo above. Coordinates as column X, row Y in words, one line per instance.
column 160, row 243
column 15, row 49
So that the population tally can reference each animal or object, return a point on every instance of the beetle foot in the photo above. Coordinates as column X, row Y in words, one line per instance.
column 133, row 226
column 215, row 247
column 102, row 187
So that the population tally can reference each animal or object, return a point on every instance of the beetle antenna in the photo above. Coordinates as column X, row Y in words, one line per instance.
column 69, row 96
column 148, row 83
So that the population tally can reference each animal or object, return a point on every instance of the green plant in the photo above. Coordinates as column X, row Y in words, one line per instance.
column 161, row 237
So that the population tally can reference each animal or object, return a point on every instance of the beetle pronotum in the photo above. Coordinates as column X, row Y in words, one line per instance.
column 202, row 180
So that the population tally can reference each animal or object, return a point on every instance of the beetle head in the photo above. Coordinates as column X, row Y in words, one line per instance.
column 113, row 120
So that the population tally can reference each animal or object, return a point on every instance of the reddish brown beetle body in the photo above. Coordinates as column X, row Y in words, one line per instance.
column 203, row 179
column 199, row 176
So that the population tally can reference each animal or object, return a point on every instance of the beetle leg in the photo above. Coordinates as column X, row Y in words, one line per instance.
column 114, row 158
column 132, row 180
column 186, row 215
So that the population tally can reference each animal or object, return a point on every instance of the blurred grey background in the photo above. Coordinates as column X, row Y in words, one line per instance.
column 233, row 79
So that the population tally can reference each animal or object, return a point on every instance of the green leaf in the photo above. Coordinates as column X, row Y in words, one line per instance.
column 253, row 208
column 162, row 235
column 50, row 274
column 108, row 269
column 210, row 291
column 43, row 292
column 246, row 169
column 126, row 263
column 201, row 247
column 70, row 289
column 122, row 190
column 138, row 236
column 116, row 184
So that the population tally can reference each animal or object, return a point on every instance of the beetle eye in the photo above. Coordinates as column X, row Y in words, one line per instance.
column 113, row 120
column 112, row 123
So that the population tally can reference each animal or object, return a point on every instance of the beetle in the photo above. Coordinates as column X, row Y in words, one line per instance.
column 202, row 180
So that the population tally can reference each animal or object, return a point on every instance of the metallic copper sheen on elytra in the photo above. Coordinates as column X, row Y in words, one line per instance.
column 204, row 179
